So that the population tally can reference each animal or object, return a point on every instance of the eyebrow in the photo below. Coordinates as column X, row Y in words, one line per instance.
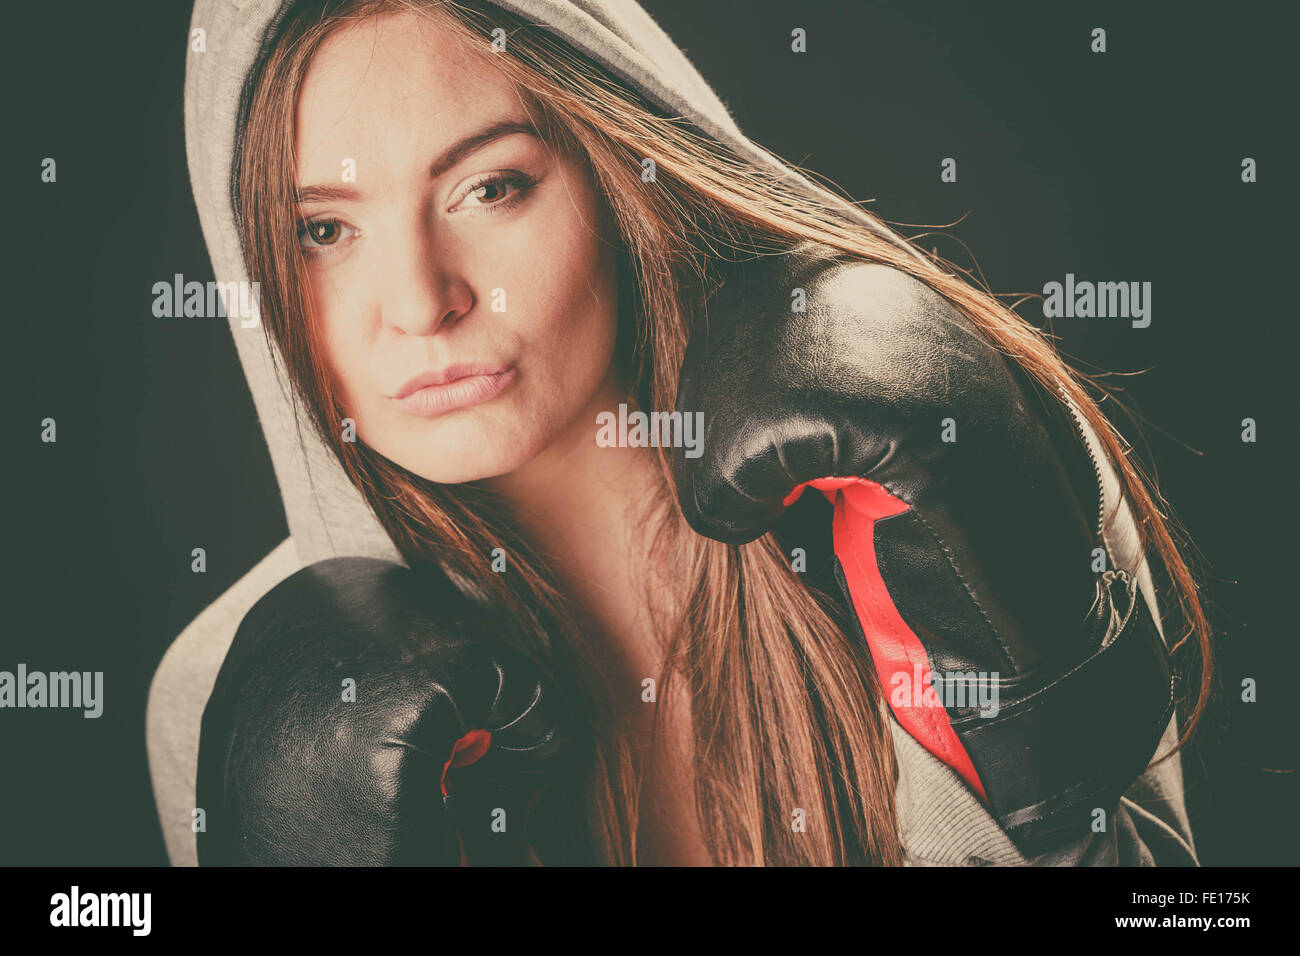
column 456, row 152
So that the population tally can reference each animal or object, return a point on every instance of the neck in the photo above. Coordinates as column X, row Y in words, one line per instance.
column 575, row 492
column 587, row 509
column 583, row 507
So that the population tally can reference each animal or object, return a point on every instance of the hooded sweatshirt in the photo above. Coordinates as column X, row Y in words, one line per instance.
column 942, row 822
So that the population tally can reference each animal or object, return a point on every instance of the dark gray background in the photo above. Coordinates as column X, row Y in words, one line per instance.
column 1123, row 166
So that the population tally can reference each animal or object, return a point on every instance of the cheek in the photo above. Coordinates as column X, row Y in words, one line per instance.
column 340, row 337
column 573, row 305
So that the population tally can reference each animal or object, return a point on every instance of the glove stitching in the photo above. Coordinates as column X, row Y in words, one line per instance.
column 965, row 586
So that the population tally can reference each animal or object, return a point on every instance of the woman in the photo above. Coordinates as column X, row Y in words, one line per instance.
column 473, row 243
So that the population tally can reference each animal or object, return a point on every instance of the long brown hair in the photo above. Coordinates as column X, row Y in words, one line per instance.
column 786, row 709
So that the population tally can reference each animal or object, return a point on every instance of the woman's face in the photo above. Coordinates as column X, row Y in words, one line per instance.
column 442, row 236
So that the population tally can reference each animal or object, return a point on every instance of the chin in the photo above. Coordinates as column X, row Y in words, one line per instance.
column 456, row 469
column 471, row 458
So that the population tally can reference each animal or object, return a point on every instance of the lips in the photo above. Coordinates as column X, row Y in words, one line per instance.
column 457, row 386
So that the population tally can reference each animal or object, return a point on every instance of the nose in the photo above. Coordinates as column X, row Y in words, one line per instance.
column 424, row 289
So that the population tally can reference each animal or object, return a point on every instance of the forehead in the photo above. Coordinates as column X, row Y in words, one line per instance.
column 393, row 87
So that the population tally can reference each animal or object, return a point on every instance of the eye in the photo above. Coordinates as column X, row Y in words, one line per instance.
column 497, row 191
column 317, row 235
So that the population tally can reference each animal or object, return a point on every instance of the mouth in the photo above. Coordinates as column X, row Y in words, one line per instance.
column 458, row 386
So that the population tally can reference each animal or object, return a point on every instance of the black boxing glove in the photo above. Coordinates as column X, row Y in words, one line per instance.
column 966, row 511
column 433, row 756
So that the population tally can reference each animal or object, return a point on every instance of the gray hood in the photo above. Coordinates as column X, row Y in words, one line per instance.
column 326, row 515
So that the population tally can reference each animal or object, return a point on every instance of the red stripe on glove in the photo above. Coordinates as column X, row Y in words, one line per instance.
column 465, row 751
column 895, row 649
